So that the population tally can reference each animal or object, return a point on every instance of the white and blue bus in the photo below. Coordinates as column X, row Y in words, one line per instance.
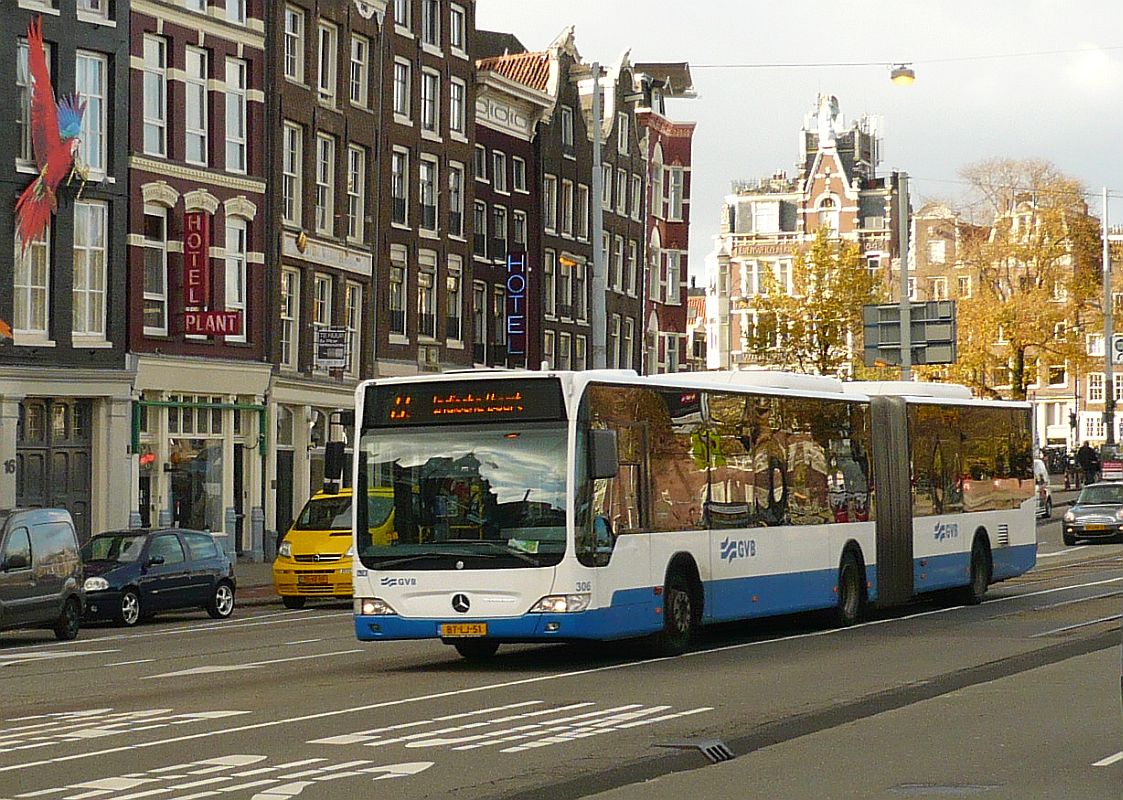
column 551, row 506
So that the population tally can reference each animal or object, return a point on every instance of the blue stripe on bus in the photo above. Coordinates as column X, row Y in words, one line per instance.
column 636, row 612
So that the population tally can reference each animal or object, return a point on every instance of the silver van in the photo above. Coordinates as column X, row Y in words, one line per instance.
column 40, row 571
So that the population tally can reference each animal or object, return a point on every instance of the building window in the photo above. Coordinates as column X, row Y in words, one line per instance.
column 828, row 214
column 321, row 303
column 550, row 203
column 518, row 230
column 97, row 9
column 327, row 76
column 195, row 123
column 294, row 44
column 633, row 266
column 621, row 192
column 402, row 14
column 90, row 83
column 455, row 199
column 155, row 271
column 499, row 315
column 155, row 96
column 677, row 195
column 290, row 311
column 479, row 321
column 360, row 54
column 622, row 133
column 23, row 82
column 236, row 11
column 32, row 286
column 499, row 232
column 325, row 183
column 431, row 22
column 499, row 171
column 454, row 292
column 637, row 196
column 567, row 208
column 937, row 249
column 353, row 309
column 426, row 303
column 579, row 349
column 456, row 99
column 613, row 343
column 236, row 290
column 1057, row 375
column 567, row 127
column 518, row 174
column 427, row 181
column 565, row 345
column 401, row 88
column 479, row 230
column 674, row 278
column 582, row 212
column 456, row 28
column 565, row 288
column 913, row 295
column 606, row 178
column 430, row 101
column 399, row 187
column 236, row 86
column 91, row 228
column 292, row 169
column 580, row 292
column 398, row 300
column 628, row 344
column 939, row 289
column 549, row 271
column 964, row 286
column 616, row 274
column 480, row 165
column 548, row 348
column 356, row 192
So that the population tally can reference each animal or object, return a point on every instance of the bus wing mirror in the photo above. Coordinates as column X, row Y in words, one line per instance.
column 334, row 458
column 603, row 460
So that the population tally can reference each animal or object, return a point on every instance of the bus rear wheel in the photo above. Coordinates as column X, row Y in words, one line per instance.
column 476, row 649
column 972, row 594
column 851, row 591
column 678, row 617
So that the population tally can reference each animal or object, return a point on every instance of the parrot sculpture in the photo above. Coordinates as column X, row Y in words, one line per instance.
column 54, row 139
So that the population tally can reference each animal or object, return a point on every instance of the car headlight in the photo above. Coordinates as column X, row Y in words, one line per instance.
column 286, row 549
column 561, row 604
column 1119, row 514
column 1070, row 517
column 95, row 584
column 373, row 607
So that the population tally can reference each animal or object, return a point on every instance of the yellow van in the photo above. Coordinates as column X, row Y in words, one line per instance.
column 314, row 559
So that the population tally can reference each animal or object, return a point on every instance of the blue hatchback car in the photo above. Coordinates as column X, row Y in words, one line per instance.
column 134, row 574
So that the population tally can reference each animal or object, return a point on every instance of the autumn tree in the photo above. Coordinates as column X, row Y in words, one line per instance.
column 1036, row 271
column 816, row 327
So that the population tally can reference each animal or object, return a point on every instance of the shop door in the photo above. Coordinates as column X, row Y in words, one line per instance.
column 53, row 457
column 284, row 493
column 239, row 495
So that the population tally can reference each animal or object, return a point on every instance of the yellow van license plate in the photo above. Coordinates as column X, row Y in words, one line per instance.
column 313, row 578
column 460, row 630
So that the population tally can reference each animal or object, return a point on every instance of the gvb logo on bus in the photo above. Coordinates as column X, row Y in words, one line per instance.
column 732, row 549
column 946, row 530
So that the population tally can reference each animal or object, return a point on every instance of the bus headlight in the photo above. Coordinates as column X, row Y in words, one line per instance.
column 96, row 585
column 285, row 549
column 372, row 607
column 561, row 604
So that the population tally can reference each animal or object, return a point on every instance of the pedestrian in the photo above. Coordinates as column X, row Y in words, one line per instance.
column 1087, row 461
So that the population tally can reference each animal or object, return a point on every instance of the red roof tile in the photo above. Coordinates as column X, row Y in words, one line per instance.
column 529, row 69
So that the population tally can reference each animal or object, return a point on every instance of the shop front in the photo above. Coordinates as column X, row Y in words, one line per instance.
column 199, row 434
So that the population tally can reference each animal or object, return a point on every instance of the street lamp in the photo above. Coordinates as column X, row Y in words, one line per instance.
column 902, row 75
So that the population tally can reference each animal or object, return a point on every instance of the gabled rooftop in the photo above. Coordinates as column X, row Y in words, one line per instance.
column 529, row 69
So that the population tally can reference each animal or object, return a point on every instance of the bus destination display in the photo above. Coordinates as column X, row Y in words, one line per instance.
column 450, row 402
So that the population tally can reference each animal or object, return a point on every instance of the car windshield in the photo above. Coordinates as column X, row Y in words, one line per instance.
column 479, row 496
column 1098, row 495
column 334, row 513
column 122, row 548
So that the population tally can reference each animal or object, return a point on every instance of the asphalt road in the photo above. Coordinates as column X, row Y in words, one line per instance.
column 1018, row 697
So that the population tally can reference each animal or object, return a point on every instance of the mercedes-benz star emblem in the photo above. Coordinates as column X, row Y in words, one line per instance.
column 460, row 603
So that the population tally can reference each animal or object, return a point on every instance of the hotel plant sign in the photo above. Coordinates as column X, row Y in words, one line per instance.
column 516, row 304
column 197, row 282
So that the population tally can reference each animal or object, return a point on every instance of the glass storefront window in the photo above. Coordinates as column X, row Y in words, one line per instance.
column 196, row 483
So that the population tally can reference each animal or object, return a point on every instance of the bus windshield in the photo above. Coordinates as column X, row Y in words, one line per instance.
column 465, row 496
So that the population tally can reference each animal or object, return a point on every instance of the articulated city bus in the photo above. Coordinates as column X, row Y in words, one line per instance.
column 551, row 506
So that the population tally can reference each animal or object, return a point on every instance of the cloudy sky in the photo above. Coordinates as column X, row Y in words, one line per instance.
column 969, row 102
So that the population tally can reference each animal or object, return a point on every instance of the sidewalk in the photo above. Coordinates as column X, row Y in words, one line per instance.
column 255, row 584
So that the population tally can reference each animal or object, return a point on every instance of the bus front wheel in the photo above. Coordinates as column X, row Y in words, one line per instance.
column 476, row 649
column 972, row 594
column 851, row 591
column 678, row 617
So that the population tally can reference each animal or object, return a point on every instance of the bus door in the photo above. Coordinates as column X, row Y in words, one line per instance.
column 892, row 470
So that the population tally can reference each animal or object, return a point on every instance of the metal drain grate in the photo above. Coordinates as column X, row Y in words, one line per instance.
column 714, row 749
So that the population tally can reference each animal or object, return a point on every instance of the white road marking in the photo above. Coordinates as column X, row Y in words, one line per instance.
column 305, row 641
column 1107, row 762
column 1101, row 596
column 70, row 727
column 362, row 737
column 489, row 687
column 19, row 658
column 1062, row 552
column 213, row 668
column 127, row 663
